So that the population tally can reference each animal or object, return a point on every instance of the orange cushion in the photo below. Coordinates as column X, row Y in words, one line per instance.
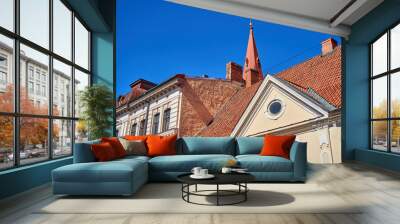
column 277, row 145
column 103, row 152
column 161, row 145
column 135, row 138
column 116, row 145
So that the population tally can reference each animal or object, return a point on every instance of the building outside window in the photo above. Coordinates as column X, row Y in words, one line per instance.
column 142, row 128
column 38, row 89
column 37, row 75
column 3, row 61
column 166, row 119
column 43, row 90
column 385, row 94
column 30, row 72
column 156, row 122
column 3, row 72
column 55, row 135
column 3, row 78
column 30, row 87
column 133, row 129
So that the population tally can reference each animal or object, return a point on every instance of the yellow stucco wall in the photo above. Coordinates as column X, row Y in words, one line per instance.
column 323, row 145
column 323, row 142
column 294, row 112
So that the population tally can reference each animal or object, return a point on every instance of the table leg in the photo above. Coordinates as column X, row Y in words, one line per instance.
column 245, row 193
column 217, row 194
column 188, row 190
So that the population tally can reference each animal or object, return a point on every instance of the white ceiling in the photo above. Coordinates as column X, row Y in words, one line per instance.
column 324, row 9
column 326, row 16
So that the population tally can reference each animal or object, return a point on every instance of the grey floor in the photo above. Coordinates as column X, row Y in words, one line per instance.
column 378, row 189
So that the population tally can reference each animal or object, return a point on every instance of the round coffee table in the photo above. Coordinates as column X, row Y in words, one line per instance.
column 238, row 179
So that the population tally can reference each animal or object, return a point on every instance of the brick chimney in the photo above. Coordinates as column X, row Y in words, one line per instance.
column 234, row 72
column 252, row 77
column 327, row 46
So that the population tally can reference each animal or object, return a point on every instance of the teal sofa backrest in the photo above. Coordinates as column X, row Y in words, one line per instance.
column 206, row 145
column 249, row 145
column 83, row 152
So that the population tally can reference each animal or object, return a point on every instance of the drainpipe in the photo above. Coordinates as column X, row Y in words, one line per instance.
column 147, row 116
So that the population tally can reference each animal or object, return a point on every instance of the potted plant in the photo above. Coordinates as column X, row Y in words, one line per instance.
column 96, row 103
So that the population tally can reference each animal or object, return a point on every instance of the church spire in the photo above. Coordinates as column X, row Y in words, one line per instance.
column 252, row 72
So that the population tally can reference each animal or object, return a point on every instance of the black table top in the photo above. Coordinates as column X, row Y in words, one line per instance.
column 220, row 178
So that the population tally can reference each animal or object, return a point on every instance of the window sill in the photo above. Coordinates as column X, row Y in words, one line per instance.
column 30, row 166
column 381, row 159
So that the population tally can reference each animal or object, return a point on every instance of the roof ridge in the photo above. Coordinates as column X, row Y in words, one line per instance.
column 308, row 60
column 228, row 102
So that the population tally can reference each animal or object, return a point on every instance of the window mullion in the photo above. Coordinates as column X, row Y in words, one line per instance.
column 16, row 84
column 50, row 81
column 389, row 100
column 371, row 140
column 73, row 81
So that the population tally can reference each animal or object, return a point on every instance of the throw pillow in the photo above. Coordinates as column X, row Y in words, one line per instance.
column 103, row 152
column 161, row 145
column 135, row 138
column 116, row 145
column 135, row 147
column 277, row 145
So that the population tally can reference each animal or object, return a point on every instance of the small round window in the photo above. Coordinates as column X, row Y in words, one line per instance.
column 275, row 109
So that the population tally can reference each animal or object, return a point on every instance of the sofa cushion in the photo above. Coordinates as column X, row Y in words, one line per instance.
column 116, row 145
column 112, row 171
column 136, row 137
column 257, row 163
column 103, row 152
column 185, row 163
column 133, row 158
column 161, row 145
column 134, row 147
column 206, row 145
column 249, row 145
column 275, row 145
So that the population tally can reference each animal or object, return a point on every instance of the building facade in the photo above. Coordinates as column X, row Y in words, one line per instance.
column 34, row 90
column 183, row 104
column 304, row 100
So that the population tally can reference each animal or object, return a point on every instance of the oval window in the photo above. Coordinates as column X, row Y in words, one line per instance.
column 275, row 109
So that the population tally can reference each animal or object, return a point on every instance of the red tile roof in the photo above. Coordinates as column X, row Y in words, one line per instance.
column 322, row 74
column 226, row 119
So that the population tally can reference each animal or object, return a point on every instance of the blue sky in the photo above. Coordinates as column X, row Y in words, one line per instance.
column 157, row 39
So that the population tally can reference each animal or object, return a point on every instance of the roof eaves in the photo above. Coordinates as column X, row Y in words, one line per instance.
column 178, row 76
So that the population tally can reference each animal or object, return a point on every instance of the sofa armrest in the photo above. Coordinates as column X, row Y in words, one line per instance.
column 83, row 152
column 298, row 155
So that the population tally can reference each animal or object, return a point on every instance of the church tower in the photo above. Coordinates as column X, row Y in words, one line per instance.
column 252, row 72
